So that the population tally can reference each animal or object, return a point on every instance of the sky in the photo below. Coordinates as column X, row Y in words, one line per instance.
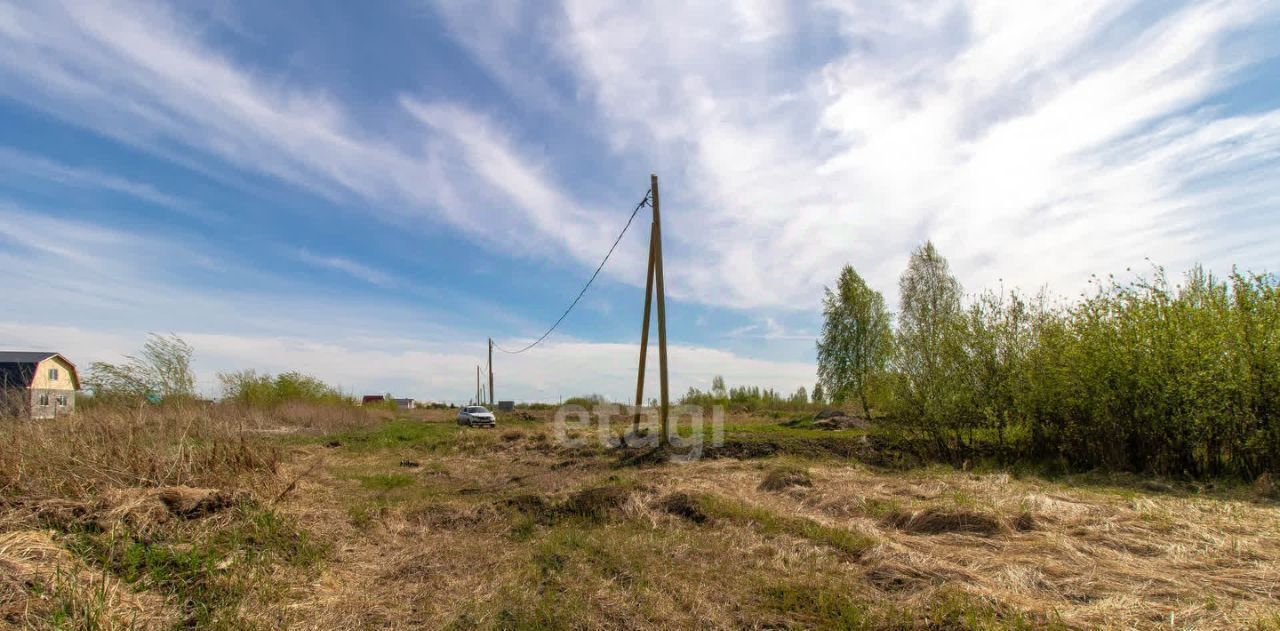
column 366, row 192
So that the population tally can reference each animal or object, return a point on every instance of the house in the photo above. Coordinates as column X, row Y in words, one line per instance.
column 37, row 384
column 404, row 404
column 373, row 398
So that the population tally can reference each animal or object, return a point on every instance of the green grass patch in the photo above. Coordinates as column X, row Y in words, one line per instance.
column 428, row 436
column 954, row 609
column 881, row 508
column 71, row 604
column 396, row 433
column 568, row 565
column 833, row 607
column 385, row 482
column 817, row 607
column 210, row 575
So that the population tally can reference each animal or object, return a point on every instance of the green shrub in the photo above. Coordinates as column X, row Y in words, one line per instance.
column 251, row 388
column 1150, row 376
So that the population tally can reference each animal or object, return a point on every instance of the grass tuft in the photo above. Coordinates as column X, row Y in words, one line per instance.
column 786, row 476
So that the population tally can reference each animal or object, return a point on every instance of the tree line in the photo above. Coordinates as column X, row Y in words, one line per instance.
column 1152, row 376
column 162, row 372
column 750, row 398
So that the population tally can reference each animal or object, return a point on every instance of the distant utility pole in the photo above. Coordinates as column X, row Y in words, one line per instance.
column 655, row 274
column 490, row 372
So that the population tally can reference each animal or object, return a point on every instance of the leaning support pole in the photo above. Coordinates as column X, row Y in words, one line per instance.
column 664, row 437
column 644, row 328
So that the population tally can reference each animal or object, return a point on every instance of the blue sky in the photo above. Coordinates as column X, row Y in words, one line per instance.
column 367, row 191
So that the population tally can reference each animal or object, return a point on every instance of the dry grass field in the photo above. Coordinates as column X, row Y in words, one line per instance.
column 326, row 518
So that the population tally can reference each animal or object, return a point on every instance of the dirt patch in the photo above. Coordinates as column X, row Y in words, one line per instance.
column 652, row 457
column 842, row 422
column 866, row 449
column 596, row 503
column 934, row 521
column 683, row 505
column 446, row 517
column 1024, row 522
column 895, row 576
column 529, row 504
column 783, row 478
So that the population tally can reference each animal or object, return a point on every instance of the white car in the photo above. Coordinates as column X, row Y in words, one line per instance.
column 476, row 416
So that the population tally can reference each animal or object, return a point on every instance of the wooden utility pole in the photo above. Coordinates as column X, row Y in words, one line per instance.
column 654, row 273
column 644, row 328
column 662, row 312
column 490, row 372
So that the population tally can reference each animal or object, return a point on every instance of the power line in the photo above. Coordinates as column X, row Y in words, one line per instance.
column 643, row 202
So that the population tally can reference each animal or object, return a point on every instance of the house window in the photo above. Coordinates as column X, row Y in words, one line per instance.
column 62, row 400
column 42, row 400
column 53, row 374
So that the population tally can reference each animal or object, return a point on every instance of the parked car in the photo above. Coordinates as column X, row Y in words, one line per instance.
column 476, row 416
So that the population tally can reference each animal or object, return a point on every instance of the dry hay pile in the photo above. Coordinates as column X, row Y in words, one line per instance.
column 142, row 510
column 39, row 578
column 41, row 581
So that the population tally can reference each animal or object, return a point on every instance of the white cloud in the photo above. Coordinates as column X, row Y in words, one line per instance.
column 143, row 75
column 1033, row 143
column 768, row 329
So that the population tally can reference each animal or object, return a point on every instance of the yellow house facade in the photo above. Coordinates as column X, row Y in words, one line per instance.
column 37, row 384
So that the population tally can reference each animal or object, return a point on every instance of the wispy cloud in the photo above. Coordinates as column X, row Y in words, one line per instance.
column 18, row 168
column 1034, row 143
column 75, row 242
column 348, row 267
column 146, row 77
column 516, row 44
column 768, row 329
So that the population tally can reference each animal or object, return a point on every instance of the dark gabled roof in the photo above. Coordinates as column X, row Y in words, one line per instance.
column 24, row 357
column 18, row 368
